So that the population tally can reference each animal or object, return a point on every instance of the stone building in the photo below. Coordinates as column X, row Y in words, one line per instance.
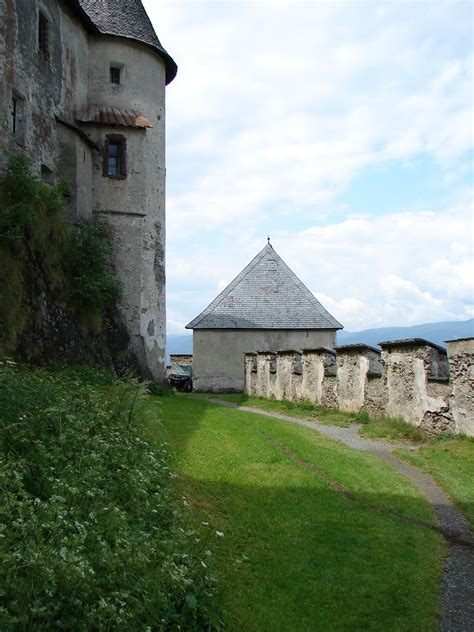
column 82, row 91
column 266, row 307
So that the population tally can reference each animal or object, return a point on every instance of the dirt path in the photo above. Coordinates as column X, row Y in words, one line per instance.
column 457, row 587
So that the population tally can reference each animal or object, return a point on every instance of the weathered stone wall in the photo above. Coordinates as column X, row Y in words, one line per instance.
column 53, row 91
column 411, row 380
column 461, row 362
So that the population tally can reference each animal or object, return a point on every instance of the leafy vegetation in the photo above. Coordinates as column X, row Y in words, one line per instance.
column 308, row 533
column 90, row 535
column 90, row 253
column 45, row 261
column 450, row 460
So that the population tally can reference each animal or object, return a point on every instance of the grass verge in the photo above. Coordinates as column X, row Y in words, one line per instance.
column 302, row 410
column 304, row 528
column 450, row 460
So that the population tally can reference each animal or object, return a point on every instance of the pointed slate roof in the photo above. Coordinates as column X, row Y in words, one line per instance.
column 265, row 295
column 127, row 18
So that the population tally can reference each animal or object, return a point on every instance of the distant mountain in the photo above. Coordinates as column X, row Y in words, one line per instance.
column 434, row 332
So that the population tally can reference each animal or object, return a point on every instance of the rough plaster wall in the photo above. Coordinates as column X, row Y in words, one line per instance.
column 313, row 376
column 251, row 385
column 138, row 200
column 375, row 396
column 219, row 353
column 263, row 376
column 461, row 360
column 329, row 394
column 296, row 384
column 406, row 383
column 351, row 378
column 283, row 383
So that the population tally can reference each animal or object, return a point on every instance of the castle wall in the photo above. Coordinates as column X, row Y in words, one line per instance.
column 54, row 91
column 461, row 362
column 409, row 381
column 218, row 354
column 44, row 87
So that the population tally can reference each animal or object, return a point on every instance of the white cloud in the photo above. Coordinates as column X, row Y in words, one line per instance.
column 277, row 108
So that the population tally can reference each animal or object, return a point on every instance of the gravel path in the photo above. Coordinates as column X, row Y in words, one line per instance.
column 457, row 586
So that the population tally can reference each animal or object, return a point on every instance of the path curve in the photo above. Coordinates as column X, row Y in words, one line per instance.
column 457, row 586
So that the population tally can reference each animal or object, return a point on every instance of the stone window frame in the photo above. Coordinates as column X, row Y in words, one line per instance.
column 115, row 67
column 121, row 141
column 16, row 119
column 44, row 33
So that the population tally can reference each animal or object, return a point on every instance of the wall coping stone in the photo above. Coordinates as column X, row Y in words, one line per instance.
column 319, row 350
column 357, row 346
column 460, row 339
column 412, row 342
column 288, row 352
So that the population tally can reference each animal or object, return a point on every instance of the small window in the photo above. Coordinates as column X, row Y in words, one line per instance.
column 16, row 117
column 44, row 36
column 114, row 165
column 115, row 75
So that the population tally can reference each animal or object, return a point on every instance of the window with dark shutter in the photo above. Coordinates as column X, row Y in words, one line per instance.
column 114, row 75
column 115, row 159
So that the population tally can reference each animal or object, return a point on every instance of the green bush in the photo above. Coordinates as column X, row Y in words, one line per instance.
column 44, row 259
column 91, row 249
column 90, row 538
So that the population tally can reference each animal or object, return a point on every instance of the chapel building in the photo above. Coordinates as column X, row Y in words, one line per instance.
column 265, row 308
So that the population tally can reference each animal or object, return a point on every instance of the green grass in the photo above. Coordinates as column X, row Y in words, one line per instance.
column 297, row 554
column 302, row 410
column 376, row 428
column 451, row 462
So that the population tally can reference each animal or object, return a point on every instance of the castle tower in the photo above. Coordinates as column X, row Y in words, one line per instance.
column 82, row 91
column 125, row 116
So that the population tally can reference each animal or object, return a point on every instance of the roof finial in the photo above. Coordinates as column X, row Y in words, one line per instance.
column 268, row 238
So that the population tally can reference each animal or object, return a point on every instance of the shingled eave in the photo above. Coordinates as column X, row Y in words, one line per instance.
column 112, row 21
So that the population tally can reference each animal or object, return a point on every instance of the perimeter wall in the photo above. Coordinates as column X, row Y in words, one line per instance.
column 414, row 380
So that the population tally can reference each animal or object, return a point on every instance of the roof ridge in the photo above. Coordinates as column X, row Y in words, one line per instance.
column 227, row 290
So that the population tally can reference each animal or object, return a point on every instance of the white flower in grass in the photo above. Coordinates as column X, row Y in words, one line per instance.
column 220, row 534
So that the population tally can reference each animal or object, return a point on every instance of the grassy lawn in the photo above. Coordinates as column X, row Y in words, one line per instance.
column 451, row 462
column 308, row 540
column 302, row 410
column 382, row 428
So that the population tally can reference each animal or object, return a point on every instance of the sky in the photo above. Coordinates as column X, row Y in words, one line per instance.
column 344, row 131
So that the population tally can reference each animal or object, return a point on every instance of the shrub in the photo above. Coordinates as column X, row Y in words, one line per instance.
column 90, row 538
column 91, row 282
column 46, row 262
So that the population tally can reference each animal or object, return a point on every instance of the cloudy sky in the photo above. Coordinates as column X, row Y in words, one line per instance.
column 342, row 129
